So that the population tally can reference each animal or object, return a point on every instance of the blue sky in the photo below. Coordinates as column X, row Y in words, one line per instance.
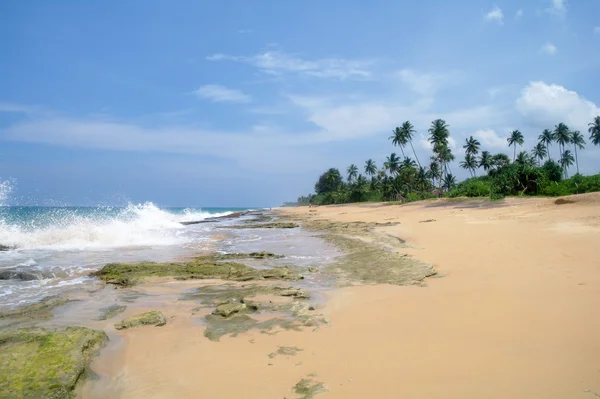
column 244, row 103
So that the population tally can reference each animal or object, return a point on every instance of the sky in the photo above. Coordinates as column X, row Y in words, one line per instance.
column 245, row 103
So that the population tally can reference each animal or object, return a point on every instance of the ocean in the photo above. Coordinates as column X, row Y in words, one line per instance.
column 52, row 250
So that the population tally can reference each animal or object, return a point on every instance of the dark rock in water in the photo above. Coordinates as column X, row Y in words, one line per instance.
column 111, row 311
column 14, row 274
column 41, row 310
column 38, row 363
column 153, row 318
column 274, row 225
column 6, row 248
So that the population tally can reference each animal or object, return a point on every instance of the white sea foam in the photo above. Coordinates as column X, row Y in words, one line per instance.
column 133, row 226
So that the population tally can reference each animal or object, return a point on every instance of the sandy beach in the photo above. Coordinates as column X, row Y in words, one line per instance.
column 512, row 313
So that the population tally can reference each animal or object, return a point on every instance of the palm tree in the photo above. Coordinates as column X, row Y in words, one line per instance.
column 546, row 139
column 485, row 160
column 408, row 131
column 392, row 163
column 434, row 170
column 562, row 135
column 449, row 181
column 352, row 172
column 595, row 131
column 370, row 167
column 408, row 163
column 539, row 152
column 566, row 160
column 515, row 138
column 438, row 136
column 471, row 146
column 524, row 159
column 578, row 142
column 398, row 139
column 470, row 163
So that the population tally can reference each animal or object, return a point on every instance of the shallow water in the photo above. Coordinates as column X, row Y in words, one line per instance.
column 55, row 249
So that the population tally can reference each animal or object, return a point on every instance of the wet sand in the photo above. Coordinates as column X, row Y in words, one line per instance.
column 514, row 313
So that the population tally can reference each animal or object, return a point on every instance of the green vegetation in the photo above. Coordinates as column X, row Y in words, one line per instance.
column 38, row 363
column 203, row 267
column 404, row 180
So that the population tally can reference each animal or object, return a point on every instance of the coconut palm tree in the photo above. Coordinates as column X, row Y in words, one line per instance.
column 485, row 160
column 392, row 164
column 578, row 142
column 562, row 135
column 524, row 159
column 539, row 152
column 370, row 167
column 546, row 139
column 434, row 169
column 566, row 160
column 515, row 138
column 398, row 139
column 438, row 137
column 352, row 172
column 471, row 146
column 408, row 132
column 408, row 163
column 594, row 130
column 449, row 181
column 470, row 163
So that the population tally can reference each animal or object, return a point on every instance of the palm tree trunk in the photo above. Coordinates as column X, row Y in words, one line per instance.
column 576, row 160
column 514, row 152
column 416, row 157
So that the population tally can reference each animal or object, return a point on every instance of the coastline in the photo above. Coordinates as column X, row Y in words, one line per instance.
column 510, row 312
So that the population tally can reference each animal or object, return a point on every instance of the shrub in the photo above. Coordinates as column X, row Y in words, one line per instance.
column 474, row 187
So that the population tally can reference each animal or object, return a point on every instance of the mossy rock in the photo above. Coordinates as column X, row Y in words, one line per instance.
column 274, row 225
column 38, row 363
column 204, row 267
column 41, row 310
column 307, row 388
column 111, row 311
column 153, row 318
column 228, row 308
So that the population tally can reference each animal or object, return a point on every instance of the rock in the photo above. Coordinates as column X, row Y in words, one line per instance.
column 111, row 311
column 39, row 363
column 427, row 221
column 274, row 225
column 15, row 274
column 313, row 269
column 6, row 247
column 294, row 292
column 228, row 308
column 153, row 318
column 41, row 310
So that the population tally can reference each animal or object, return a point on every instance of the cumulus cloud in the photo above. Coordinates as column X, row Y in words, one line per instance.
column 546, row 105
column 495, row 15
column 218, row 93
column 490, row 139
column 279, row 63
column 549, row 49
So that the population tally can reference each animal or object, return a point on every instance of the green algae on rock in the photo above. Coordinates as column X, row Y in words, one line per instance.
column 38, row 363
column 203, row 267
column 152, row 318
column 307, row 388
column 286, row 351
column 273, row 225
column 226, row 309
column 41, row 310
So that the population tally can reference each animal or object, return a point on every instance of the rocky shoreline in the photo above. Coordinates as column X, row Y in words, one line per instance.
column 243, row 298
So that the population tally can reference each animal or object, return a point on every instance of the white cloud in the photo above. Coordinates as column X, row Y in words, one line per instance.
column 546, row 105
column 425, row 84
column 558, row 7
column 278, row 63
column 549, row 49
column 218, row 93
column 495, row 15
column 489, row 138
column 519, row 14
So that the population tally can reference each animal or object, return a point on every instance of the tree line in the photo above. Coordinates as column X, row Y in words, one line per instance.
column 533, row 172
